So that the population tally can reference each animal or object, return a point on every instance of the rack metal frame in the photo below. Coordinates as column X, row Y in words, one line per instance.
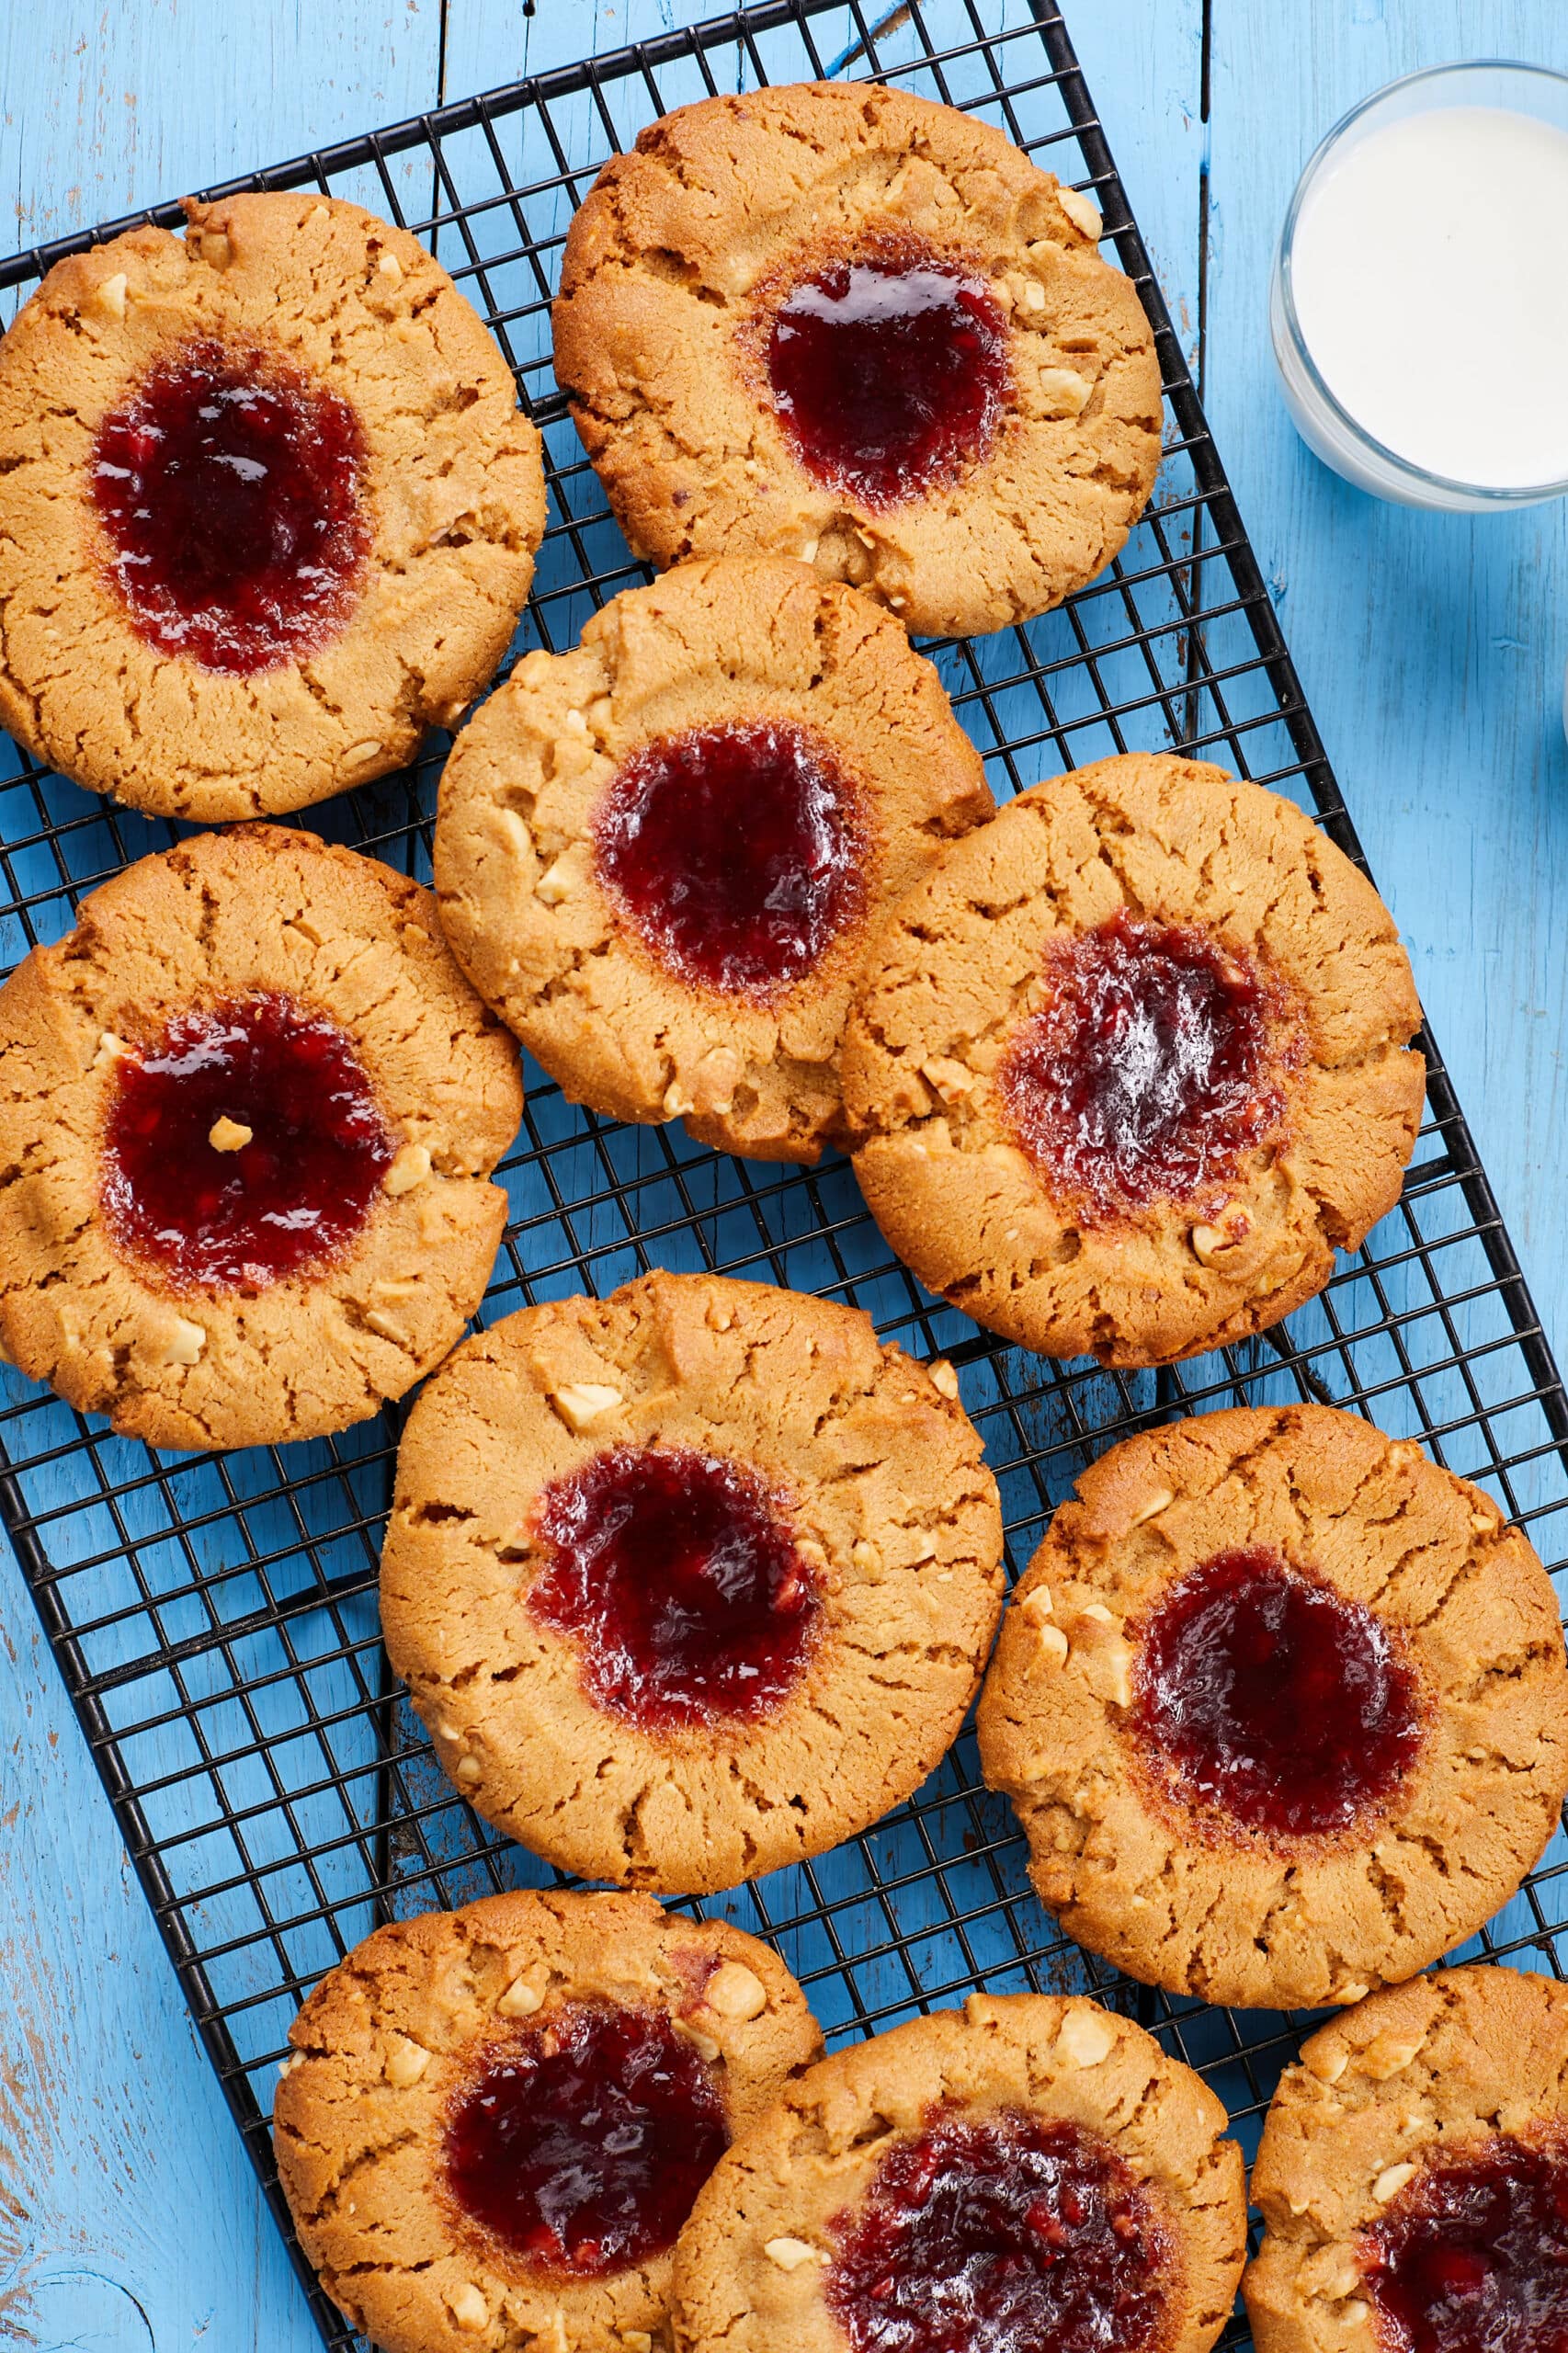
column 214, row 1617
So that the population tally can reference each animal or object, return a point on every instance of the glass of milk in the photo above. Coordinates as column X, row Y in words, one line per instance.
column 1419, row 307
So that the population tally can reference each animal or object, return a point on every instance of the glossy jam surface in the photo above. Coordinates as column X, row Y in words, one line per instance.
column 889, row 370
column 677, row 1576
column 292, row 1196
column 1472, row 2255
column 1153, row 1066
column 583, row 2142
column 736, row 853
column 996, row 2235
column 230, row 489
column 1271, row 1698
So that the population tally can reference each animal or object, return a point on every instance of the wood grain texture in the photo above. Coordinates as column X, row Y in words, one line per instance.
column 128, row 2213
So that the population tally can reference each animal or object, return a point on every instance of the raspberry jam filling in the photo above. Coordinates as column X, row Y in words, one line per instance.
column 736, row 853
column 230, row 489
column 583, row 2142
column 1153, row 1066
column 244, row 1145
column 889, row 370
column 1270, row 1697
column 990, row 2236
column 1472, row 2257
column 677, row 1578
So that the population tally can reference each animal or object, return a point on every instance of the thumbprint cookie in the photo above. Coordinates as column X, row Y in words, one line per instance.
column 1282, row 1707
column 844, row 323
column 247, row 1143
column 690, row 1583
column 1133, row 1063
column 659, row 857
column 267, row 508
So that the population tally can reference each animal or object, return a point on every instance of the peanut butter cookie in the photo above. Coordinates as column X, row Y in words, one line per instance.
column 1282, row 1707
column 659, row 857
column 690, row 1583
column 1414, row 2176
column 844, row 323
column 1030, row 2171
column 250, row 1112
column 267, row 508
column 1133, row 1063
column 520, row 2100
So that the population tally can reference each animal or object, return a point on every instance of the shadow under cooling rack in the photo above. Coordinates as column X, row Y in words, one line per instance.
column 214, row 1618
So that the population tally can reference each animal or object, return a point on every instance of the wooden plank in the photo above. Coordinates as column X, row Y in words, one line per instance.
column 1431, row 646
column 128, row 2213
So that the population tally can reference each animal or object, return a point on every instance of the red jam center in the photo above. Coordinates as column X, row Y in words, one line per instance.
column 583, row 2144
column 306, row 1146
column 992, row 2236
column 1472, row 2255
column 677, row 1578
column 1269, row 1696
column 736, row 853
column 229, row 488
column 1148, row 1073
column 889, row 372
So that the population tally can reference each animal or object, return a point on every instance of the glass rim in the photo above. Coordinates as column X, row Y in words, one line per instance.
column 1491, row 493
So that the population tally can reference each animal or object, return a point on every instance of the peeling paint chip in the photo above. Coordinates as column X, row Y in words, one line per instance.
column 790, row 2253
column 580, row 1404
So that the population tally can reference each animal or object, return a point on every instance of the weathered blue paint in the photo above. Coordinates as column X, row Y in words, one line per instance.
column 1430, row 648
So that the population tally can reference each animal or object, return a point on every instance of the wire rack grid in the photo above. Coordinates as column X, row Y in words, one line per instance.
column 214, row 1618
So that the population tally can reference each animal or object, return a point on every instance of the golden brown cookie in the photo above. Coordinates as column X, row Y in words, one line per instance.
column 250, row 1111
column 659, row 857
column 1282, row 1707
column 1032, row 2170
column 267, row 508
column 1414, row 2176
column 844, row 323
column 494, row 2121
column 692, row 1582
column 1132, row 1063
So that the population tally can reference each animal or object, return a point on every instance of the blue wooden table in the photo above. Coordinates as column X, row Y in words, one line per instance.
column 1432, row 650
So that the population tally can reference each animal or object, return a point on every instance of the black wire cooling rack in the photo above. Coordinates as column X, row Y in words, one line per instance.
column 214, row 1618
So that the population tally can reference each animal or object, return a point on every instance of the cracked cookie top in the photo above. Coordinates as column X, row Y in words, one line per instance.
column 267, row 508
column 690, row 1583
column 1282, row 1707
column 492, row 2122
column 1132, row 1063
column 854, row 326
column 659, row 857
column 1413, row 2175
column 1028, row 2170
column 250, row 1113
